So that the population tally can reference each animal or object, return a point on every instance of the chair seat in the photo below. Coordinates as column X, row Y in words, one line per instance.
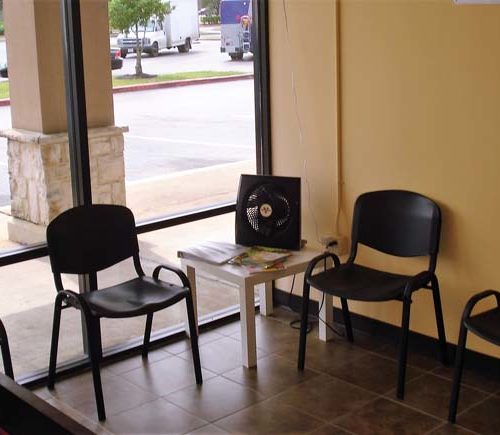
column 486, row 325
column 136, row 297
column 352, row 281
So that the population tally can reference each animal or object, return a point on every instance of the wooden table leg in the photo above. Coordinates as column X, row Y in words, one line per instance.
column 191, row 274
column 266, row 298
column 326, row 314
column 247, row 315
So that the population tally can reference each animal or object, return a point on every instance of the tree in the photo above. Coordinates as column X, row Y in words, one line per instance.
column 212, row 6
column 132, row 15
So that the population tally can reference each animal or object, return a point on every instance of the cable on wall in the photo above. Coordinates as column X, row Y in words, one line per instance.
column 301, row 143
column 299, row 123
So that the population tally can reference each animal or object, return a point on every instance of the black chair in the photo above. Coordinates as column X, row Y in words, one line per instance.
column 487, row 326
column 87, row 239
column 4, row 345
column 395, row 222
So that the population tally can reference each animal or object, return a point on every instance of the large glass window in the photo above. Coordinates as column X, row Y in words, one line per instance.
column 191, row 130
column 189, row 134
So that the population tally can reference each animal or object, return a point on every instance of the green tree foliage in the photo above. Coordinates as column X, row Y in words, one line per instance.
column 212, row 6
column 130, row 15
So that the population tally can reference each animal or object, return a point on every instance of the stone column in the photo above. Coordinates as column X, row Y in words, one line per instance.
column 37, row 143
column 40, row 181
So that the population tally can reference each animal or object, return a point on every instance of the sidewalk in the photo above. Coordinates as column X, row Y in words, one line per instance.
column 152, row 197
column 27, row 296
column 210, row 31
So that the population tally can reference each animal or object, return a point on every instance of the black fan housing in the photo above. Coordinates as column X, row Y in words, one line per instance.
column 268, row 211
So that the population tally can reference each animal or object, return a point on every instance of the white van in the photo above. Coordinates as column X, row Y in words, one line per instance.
column 178, row 29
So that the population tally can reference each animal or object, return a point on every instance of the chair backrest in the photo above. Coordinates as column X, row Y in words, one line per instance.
column 88, row 239
column 397, row 222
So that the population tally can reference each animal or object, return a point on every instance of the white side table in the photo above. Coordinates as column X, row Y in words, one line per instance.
column 245, row 281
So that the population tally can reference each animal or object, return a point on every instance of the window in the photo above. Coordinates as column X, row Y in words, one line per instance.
column 183, row 154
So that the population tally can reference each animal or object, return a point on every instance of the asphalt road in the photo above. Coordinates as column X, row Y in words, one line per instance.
column 174, row 129
column 205, row 55
column 177, row 129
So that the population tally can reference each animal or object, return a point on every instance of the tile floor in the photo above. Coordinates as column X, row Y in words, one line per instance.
column 345, row 389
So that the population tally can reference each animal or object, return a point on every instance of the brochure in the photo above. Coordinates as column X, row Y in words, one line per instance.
column 262, row 259
column 212, row 252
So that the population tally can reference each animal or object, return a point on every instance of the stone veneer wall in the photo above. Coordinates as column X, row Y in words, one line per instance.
column 39, row 171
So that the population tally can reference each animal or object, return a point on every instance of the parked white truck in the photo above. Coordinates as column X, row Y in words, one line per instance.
column 178, row 29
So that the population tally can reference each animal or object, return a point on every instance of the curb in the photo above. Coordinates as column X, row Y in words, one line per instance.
column 178, row 83
column 171, row 84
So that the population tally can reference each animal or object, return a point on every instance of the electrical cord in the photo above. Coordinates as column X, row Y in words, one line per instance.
column 299, row 121
column 295, row 324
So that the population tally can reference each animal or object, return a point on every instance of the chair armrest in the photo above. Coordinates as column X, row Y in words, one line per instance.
column 312, row 264
column 417, row 282
column 476, row 298
column 74, row 299
column 182, row 276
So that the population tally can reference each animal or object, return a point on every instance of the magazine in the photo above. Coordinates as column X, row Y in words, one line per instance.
column 262, row 259
column 212, row 252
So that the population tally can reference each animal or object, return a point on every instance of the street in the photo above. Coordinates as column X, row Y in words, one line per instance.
column 205, row 55
column 176, row 129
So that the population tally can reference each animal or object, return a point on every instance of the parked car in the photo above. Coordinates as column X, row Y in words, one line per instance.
column 116, row 59
column 116, row 62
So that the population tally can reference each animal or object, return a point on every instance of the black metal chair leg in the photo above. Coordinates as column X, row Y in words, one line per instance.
column 403, row 348
column 147, row 335
column 443, row 353
column 4, row 344
column 457, row 376
column 347, row 319
column 54, row 341
column 193, row 332
column 303, row 326
column 95, row 357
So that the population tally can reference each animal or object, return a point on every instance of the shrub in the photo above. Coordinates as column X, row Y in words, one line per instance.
column 210, row 19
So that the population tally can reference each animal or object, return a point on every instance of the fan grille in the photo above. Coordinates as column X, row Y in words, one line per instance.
column 268, row 209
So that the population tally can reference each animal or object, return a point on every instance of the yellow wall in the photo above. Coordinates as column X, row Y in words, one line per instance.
column 303, row 106
column 420, row 110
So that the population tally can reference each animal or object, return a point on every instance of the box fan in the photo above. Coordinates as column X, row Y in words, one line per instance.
column 268, row 211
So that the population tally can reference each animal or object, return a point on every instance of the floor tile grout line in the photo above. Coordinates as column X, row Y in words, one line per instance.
column 320, row 420
column 430, row 432
column 219, row 418
column 478, row 403
column 364, row 351
column 336, row 426
column 337, row 419
column 114, row 414
column 468, row 385
column 414, row 408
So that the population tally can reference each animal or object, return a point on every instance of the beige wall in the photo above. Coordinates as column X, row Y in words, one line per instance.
column 303, row 105
column 34, row 50
column 420, row 86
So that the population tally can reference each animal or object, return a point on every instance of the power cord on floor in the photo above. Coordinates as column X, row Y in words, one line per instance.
column 295, row 324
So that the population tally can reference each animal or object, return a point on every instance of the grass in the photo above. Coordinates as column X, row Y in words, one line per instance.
column 117, row 81
column 4, row 90
column 4, row 86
